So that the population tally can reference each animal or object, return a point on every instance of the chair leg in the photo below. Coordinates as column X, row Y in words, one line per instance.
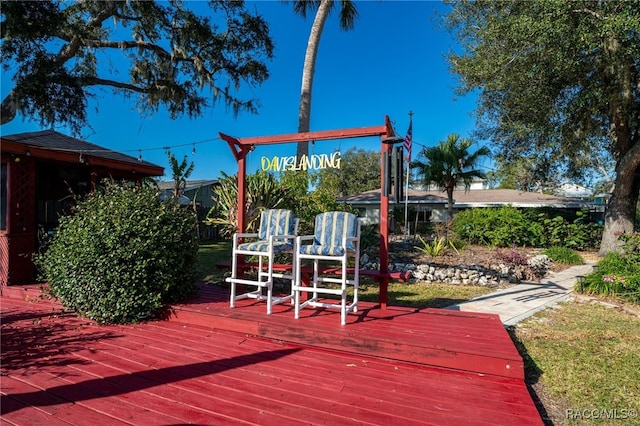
column 298, row 283
column 294, row 275
column 343, row 307
column 232, row 302
column 356, row 283
column 269, row 299
column 355, row 296
column 343, row 295
column 234, row 274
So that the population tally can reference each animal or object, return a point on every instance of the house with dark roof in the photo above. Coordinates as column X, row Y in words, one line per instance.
column 199, row 194
column 432, row 205
column 40, row 173
column 198, row 191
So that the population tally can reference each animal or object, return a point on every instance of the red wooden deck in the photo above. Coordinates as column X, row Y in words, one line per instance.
column 212, row 365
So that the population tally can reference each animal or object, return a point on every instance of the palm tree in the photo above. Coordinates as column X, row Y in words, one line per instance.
column 348, row 16
column 448, row 164
column 180, row 173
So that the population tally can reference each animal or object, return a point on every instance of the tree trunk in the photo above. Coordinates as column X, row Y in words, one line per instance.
column 449, row 208
column 621, row 211
column 304, row 111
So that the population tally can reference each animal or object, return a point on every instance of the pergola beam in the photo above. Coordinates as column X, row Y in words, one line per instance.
column 308, row 136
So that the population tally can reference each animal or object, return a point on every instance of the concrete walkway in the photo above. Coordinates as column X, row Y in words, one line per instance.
column 522, row 300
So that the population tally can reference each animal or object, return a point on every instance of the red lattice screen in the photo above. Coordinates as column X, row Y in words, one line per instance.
column 17, row 247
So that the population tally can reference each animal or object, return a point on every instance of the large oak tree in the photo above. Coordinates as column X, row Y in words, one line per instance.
column 558, row 81
column 161, row 53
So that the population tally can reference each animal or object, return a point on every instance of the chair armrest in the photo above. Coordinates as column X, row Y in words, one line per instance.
column 245, row 235
column 302, row 238
column 283, row 237
column 237, row 236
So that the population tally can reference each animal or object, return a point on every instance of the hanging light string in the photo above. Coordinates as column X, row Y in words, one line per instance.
column 137, row 150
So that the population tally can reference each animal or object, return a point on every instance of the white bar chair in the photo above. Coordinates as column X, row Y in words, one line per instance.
column 276, row 235
column 336, row 239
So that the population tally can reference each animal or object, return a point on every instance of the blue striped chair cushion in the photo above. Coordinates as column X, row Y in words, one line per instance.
column 330, row 229
column 263, row 246
column 276, row 222
column 315, row 249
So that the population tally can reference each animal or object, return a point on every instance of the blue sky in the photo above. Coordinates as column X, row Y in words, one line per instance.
column 391, row 63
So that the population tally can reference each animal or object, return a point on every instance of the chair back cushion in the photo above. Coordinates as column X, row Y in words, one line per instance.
column 330, row 229
column 276, row 222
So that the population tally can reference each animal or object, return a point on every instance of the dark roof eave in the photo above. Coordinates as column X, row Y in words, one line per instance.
column 123, row 164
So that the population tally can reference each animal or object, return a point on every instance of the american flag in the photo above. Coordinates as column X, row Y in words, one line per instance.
column 407, row 141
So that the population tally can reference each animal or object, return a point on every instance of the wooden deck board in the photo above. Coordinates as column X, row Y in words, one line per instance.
column 464, row 340
column 60, row 369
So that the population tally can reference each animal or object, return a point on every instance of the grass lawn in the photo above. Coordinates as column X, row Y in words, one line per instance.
column 211, row 253
column 583, row 357
column 421, row 295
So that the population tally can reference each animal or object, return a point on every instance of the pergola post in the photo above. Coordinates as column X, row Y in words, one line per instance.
column 240, row 152
column 384, row 223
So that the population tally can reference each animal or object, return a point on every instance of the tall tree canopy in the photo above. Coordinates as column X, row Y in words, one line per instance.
column 449, row 164
column 160, row 52
column 559, row 80
column 359, row 171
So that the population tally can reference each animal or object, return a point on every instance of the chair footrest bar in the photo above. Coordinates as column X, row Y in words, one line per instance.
column 314, row 303
column 260, row 296
column 250, row 295
column 249, row 282
column 321, row 290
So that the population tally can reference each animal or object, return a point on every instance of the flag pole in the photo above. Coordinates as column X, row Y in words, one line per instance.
column 407, row 143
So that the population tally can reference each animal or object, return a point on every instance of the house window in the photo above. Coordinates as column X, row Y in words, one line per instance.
column 3, row 197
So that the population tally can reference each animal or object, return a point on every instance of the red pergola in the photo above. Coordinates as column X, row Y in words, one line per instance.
column 240, row 147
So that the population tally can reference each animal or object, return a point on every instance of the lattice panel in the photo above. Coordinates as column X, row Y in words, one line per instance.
column 23, row 196
column 4, row 260
column 18, row 245
column 18, row 263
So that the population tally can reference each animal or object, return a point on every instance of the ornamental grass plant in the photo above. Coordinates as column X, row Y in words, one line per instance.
column 618, row 273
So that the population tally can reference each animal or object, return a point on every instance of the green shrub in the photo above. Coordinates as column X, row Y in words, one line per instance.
column 506, row 226
column 563, row 255
column 578, row 235
column 618, row 274
column 122, row 255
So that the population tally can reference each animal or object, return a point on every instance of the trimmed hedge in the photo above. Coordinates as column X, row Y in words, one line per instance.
column 122, row 255
column 508, row 226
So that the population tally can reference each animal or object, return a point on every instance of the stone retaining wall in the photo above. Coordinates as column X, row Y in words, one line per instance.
column 493, row 276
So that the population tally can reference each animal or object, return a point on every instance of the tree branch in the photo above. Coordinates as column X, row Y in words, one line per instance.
column 96, row 81
column 589, row 12
column 76, row 42
column 132, row 45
